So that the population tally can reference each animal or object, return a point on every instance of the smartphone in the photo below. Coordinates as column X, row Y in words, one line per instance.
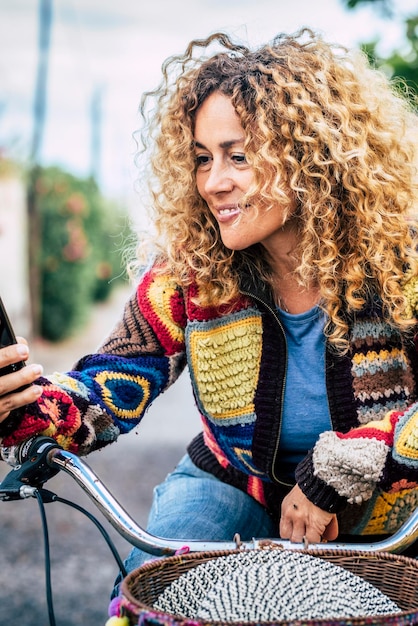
column 7, row 337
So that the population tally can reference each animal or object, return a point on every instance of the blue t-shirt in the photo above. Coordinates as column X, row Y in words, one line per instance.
column 305, row 409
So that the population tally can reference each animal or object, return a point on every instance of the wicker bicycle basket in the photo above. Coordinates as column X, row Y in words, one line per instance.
column 395, row 576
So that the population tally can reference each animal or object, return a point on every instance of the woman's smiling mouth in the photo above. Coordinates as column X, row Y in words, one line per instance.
column 226, row 211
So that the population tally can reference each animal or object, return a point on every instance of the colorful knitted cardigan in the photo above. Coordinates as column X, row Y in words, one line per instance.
column 365, row 469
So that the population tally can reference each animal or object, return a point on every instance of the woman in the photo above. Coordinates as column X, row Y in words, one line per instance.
column 283, row 181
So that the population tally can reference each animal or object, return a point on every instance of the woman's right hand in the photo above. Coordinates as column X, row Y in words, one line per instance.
column 301, row 520
column 11, row 394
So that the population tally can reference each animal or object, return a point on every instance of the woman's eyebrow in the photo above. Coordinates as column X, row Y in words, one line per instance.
column 223, row 144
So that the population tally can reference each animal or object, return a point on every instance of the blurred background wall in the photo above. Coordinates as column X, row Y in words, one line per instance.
column 14, row 288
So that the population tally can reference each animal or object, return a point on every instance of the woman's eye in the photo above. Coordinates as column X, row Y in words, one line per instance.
column 202, row 160
column 239, row 158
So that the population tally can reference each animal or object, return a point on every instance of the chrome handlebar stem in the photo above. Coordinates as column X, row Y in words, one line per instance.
column 137, row 536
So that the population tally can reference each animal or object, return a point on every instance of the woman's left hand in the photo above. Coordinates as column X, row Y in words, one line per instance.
column 301, row 520
column 17, row 388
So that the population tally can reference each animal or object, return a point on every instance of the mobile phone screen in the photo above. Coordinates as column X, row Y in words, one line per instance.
column 7, row 337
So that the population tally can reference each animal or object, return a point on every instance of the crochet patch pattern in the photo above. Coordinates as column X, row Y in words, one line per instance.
column 132, row 335
column 124, row 388
column 271, row 585
column 224, row 360
column 352, row 466
column 406, row 438
column 161, row 304
column 381, row 377
column 386, row 512
column 410, row 289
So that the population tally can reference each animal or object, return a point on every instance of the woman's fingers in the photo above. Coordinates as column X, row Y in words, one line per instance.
column 16, row 385
column 12, row 382
column 302, row 521
column 331, row 531
column 21, row 340
column 17, row 399
column 14, row 353
column 297, row 531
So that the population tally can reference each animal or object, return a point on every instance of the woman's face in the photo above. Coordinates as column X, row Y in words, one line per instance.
column 223, row 176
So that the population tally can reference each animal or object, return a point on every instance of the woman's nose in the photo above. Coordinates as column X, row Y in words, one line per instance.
column 219, row 179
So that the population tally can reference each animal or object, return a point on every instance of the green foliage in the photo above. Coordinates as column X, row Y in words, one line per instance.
column 403, row 65
column 383, row 5
column 80, row 259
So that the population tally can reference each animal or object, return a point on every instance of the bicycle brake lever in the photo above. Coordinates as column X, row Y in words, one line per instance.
column 25, row 478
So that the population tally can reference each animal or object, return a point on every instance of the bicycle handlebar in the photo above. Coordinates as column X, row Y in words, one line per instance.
column 41, row 458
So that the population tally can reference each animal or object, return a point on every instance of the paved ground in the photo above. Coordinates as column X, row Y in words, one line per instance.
column 83, row 569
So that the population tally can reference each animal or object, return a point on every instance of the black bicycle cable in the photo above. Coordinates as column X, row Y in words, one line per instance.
column 44, row 496
column 47, row 557
column 52, row 497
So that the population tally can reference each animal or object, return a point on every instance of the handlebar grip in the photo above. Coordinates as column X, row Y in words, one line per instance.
column 18, row 454
column 30, row 467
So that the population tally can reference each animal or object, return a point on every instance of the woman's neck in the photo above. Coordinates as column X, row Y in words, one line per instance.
column 289, row 294
column 292, row 297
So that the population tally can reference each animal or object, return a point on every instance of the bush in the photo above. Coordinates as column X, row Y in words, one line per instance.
column 80, row 259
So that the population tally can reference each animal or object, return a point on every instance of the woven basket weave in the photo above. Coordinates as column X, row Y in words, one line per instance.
column 395, row 576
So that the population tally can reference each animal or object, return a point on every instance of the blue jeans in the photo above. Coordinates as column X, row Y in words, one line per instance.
column 192, row 504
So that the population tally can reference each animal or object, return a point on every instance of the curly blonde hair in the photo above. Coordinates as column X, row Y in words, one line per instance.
column 324, row 128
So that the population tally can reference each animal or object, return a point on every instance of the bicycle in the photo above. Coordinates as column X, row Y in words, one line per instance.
column 37, row 461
